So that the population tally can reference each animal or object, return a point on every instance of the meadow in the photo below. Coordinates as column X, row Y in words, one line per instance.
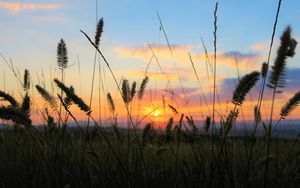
column 181, row 153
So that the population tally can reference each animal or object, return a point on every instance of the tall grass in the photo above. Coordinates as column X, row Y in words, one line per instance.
column 214, row 89
column 264, row 71
column 277, row 80
column 181, row 154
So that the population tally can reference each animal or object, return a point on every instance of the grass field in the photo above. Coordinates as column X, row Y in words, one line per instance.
column 36, row 158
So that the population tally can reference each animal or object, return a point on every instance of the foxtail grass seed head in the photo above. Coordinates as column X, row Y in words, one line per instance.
column 286, row 49
column 62, row 55
column 174, row 110
column 178, row 131
column 190, row 121
column 143, row 87
column 133, row 90
column 14, row 114
column 9, row 98
column 72, row 96
column 26, row 81
column 111, row 103
column 126, row 93
column 292, row 48
column 231, row 119
column 99, row 32
column 245, row 84
column 290, row 105
column 47, row 96
column 26, row 107
column 264, row 69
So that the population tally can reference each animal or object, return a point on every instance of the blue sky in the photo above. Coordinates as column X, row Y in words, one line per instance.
column 30, row 31
column 129, row 23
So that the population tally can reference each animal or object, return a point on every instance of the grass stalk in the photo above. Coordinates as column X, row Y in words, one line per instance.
column 199, row 85
column 175, row 64
column 127, row 109
column 214, row 87
column 261, row 92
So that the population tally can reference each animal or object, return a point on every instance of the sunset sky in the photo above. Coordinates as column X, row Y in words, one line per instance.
column 30, row 31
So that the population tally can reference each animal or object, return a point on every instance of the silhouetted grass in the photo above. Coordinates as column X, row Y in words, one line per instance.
column 29, row 160
column 181, row 154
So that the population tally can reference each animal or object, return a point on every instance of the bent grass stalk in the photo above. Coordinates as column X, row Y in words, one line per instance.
column 175, row 64
column 98, row 34
column 127, row 109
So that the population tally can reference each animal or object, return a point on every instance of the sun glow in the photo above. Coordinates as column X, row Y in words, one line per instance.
column 155, row 113
column 152, row 111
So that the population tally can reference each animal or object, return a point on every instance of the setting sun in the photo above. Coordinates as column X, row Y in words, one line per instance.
column 155, row 113
column 152, row 111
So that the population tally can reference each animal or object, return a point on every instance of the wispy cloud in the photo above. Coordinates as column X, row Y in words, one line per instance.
column 41, row 6
column 10, row 6
column 246, row 61
column 156, row 75
column 162, row 51
column 15, row 7
column 259, row 47
column 44, row 19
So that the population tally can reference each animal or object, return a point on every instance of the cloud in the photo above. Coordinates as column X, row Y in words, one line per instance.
column 41, row 6
column 236, row 54
column 246, row 61
column 292, row 79
column 185, row 74
column 15, row 7
column 226, row 88
column 161, row 51
column 156, row 75
column 10, row 6
column 44, row 19
column 259, row 47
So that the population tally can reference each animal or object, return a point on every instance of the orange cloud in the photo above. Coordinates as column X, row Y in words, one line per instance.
column 15, row 7
column 245, row 62
column 180, row 53
column 156, row 75
column 41, row 6
column 10, row 6
column 162, row 52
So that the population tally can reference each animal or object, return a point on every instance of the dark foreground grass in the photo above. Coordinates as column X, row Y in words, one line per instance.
column 50, row 158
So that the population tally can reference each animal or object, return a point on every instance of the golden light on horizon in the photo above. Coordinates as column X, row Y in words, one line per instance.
column 156, row 113
column 152, row 111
